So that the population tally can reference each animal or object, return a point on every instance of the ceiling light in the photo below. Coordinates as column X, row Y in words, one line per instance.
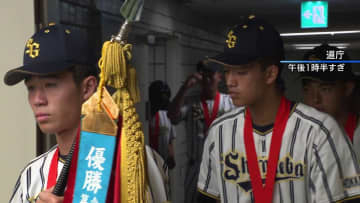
column 319, row 33
column 312, row 45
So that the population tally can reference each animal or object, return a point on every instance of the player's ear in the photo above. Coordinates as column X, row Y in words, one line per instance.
column 88, row 87
column 271, row 73
column 349, row 88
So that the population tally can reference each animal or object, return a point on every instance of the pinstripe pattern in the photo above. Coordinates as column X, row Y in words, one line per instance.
column 234, row 135
column 301, row 173
column 330, row 141
column 192, row 113
column 222, row 165
column 42, row 173
column 15, row 188
column 297, row 124
column 328, row 137
column 263, row 145
column 28, row 182
column 308, row 179
column 237, row 195
column 312, row 186
column 324, row 177
column 353, row 155
column 208, row 177
column 280, row 195
column 228, row 116
column 33, row 178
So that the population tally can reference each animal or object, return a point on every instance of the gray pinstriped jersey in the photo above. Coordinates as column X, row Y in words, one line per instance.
column 356, row 140
column 33, row 178
column 193, row 115
column 316, row 163
column 195, row 123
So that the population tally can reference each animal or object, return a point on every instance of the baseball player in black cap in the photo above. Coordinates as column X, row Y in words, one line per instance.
column 59, row 76
column 332, row 91
column 271, row 149
column 198, row 113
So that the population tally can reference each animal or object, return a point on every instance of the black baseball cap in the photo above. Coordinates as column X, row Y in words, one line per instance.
column 250, row 40
column 321, row 53
column 53, row 49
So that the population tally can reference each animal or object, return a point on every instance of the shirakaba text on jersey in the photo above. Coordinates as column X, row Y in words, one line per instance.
column 236, row 169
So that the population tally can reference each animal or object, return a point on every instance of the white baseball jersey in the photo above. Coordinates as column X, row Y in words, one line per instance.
column 166, row 133
column 316, row 162
column 356, row 140
column 193, row 114
column 34, row 177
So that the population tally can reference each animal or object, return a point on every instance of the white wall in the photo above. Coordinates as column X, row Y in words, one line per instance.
column 17, row 125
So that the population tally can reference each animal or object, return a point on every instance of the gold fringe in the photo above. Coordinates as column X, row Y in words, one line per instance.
column 132, row 144
column 117, row 73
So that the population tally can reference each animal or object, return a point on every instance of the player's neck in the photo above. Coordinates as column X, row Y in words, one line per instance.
column 264, row 111
column 65, row 139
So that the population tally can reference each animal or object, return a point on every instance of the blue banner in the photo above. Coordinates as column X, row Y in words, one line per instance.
column 94, row 166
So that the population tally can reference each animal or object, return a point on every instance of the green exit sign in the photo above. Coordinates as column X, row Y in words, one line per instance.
column 314, row 14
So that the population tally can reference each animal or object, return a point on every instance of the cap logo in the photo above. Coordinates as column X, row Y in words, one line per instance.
column 231, row 41
column 33, row 48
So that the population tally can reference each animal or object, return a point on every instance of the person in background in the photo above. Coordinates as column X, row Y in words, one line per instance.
column 198, row 112
column 333, row 92
column 271, row 149
column 162, row 133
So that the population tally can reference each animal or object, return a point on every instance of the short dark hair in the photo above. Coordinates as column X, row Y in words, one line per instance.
column 268, row 61
column 80, row 72
column 156, row 89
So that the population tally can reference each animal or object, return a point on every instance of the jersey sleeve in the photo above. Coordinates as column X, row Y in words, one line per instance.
column 334, row 170
column 356, row 142
column 207, row 182
column 18, row 195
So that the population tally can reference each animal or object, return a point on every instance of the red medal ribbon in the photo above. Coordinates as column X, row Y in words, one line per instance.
column 154, row 135
column 53, row 171
column 215, row 110
column 264, row 194
column 350, row 126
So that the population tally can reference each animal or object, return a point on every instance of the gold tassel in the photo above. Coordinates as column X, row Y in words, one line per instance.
column 117, row 73
column 132, row 143
column 132, row 85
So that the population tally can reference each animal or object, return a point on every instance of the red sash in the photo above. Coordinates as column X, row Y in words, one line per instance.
column 154, row 135
column 53, row 170
column 264, row 194
column 208, row 119
column 350, row 126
